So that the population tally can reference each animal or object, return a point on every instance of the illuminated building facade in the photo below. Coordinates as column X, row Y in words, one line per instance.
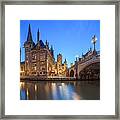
column 60, row 69
column 39, row 59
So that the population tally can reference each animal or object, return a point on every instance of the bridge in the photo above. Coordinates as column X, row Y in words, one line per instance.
column 87, row 67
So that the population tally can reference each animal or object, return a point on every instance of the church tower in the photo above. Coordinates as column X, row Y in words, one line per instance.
column 59, row 59
column 28, row 45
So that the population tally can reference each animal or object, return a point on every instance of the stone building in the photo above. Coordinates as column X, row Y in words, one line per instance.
column 39, row 59
column 59, row 68
column 22, row 69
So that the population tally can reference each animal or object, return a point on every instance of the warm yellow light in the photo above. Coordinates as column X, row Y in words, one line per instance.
column 27, row 93
column 63, row 84
column 35, row 87
column 21, row 84
column 22, row 71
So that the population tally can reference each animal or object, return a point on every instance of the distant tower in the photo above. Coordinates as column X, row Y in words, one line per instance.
column 59, row 64
column 65, row 62
column 59, row 58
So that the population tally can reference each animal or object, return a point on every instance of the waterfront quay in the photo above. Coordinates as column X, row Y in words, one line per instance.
column 39, row 78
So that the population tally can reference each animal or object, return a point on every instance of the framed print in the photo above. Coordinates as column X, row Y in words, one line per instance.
column 59, row 60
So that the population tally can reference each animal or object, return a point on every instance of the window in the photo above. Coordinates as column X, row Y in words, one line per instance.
column 40, row 72
column 21, row 68
column 34, row 56
column 43, row 68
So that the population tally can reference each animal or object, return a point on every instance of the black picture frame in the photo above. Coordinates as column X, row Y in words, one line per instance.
column 2, row 56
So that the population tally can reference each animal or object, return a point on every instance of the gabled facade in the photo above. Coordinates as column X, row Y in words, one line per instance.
column 39, row 58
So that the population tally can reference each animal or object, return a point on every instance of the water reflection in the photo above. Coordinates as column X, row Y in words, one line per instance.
column 78, row 90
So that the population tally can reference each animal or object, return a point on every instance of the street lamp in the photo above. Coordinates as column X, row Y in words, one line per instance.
column 94, row 39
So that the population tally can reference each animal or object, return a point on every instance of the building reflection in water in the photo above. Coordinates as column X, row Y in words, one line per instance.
column 59, row 90
column 23, row 95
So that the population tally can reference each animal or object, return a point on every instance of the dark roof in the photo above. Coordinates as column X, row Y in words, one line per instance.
column 42, row 44
column 23, row 62
column 29, row 42
column 39, row 43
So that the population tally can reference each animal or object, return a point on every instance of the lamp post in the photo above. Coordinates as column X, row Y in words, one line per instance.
column 94, row 39
column 76, row 68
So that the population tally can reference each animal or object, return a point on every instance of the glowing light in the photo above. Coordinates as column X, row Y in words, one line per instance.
column 53, row 84
column 35, row 87
column 63, row 84
column 21, row 84
column 27, row 93
column 22, row 71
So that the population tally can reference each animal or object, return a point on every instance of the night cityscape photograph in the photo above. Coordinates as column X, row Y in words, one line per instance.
column 59, row 59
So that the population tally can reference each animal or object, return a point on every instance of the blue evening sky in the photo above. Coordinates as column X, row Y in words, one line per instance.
column 71, row 38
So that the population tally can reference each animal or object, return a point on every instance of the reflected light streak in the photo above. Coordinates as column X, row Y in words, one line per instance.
column 63, row 84
column 23, row 94
column 35, row 87
column 53, row 84
column 54, row 91
column 27, row 94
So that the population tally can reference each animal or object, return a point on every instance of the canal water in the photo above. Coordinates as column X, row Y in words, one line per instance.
column 67, row 90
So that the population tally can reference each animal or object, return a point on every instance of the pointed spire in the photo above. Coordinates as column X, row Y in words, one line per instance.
column 52, row 51
column 65, row 61
column 38, row 35
column 29, row 37
column 90, row 49
column 46, row 42
column 51, row 48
